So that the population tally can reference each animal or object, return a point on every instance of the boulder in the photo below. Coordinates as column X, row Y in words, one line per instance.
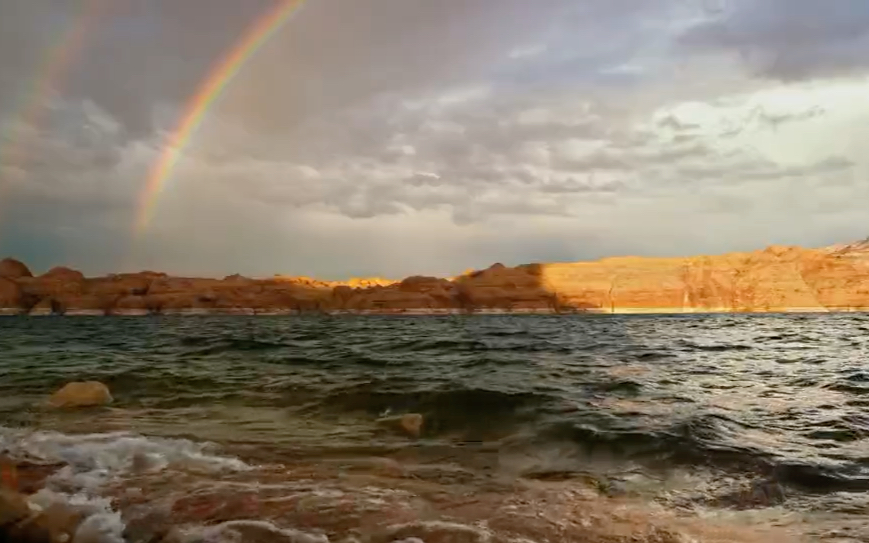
column 81, row 394
column 409, row 424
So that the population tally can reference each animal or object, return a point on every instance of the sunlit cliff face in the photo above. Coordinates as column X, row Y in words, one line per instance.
column 428, row 138
column 774, row 279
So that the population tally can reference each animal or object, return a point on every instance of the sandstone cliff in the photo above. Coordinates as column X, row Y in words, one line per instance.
column 774, row 279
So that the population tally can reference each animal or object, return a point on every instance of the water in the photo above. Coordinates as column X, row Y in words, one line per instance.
column 719, row 427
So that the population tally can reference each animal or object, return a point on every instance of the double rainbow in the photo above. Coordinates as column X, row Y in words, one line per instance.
column 210, row 90
column 36, row 95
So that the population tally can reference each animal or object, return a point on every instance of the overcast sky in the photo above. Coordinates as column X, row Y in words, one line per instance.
column 396, row 137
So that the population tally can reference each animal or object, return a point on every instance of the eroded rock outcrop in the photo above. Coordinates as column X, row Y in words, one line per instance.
column 13, row 269
column 773, row 279
column 10, row 294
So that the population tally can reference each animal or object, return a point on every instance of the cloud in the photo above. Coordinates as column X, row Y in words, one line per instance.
column 397, row 137
column 790, row 39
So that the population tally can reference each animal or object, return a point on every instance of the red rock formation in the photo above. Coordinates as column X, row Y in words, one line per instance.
column 10, row 294
column 13, row 269
column 773, row 279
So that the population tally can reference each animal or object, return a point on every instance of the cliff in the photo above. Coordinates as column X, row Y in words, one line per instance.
column 774, row 279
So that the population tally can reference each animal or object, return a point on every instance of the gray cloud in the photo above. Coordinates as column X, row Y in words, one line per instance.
column 409, row 136
column 790, row 39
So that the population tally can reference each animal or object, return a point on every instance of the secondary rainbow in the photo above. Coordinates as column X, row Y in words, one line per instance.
column 36, row 94
column 209, row 91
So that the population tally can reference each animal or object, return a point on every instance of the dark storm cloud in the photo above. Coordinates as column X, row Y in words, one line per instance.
column 791, row 39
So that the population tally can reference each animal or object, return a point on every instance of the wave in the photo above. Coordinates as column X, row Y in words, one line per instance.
column 92, row 459
column 698, row 441
column 189, row 492
column 85, row 465
column 206, row 346
column 715, row 348
column 446, row 409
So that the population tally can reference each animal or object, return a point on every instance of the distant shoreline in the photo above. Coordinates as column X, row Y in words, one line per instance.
column 773, row 280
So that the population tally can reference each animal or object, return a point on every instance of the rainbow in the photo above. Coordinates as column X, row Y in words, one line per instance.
column 210, row 90
column 36, row 95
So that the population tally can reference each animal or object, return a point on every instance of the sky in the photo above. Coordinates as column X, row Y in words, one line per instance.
column 400, row 137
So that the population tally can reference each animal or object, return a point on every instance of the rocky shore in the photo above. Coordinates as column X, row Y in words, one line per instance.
column 777, row 278
column 370, row 501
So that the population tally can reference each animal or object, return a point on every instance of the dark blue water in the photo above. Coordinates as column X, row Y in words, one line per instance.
column 775, row 402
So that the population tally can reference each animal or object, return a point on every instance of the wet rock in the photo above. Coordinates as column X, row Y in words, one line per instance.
column 13, row 507
column 22, row 523
column 81, row 394
column 380, row 466
column 432, row 532
column 144, row 524
column 217, row 506
column 60, row 522
column 25, row 476
column 409, row 424
column 260, row 532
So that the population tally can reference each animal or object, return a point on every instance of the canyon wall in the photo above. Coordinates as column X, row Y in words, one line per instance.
column 774, row 279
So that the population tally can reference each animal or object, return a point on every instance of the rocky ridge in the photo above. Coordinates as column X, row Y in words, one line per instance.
column 777, row 278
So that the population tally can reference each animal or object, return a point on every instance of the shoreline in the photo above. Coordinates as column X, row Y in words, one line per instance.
column 783, row 280
column 15, row 312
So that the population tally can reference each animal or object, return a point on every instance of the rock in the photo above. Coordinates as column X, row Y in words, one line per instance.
column 131, row 304
column 13, row 507
column 81, row 394
column 60, row 284
column 10, row 294
column 21, row 523
column 342, row 292
column 44, row 307
column 127, row 284
column 13, row 269
column 409, row 424
column 773, row 279
column 25, row 476
column 418, row 283
column 61, row 273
